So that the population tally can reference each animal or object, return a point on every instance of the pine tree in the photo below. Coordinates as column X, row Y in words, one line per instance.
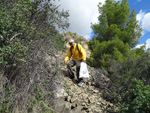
column 115, row 34
column 115, row 20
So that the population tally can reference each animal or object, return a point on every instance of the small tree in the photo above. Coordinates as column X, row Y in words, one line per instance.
column 116, row 24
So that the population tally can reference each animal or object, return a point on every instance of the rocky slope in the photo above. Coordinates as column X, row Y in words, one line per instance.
column 87, row 99
column 42, row 85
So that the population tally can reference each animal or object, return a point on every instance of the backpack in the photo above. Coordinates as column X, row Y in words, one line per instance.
column 77, row 48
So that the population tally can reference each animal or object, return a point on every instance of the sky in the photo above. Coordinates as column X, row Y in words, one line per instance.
column 83, row 13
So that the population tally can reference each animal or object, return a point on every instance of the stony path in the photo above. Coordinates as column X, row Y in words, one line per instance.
column 85, row 99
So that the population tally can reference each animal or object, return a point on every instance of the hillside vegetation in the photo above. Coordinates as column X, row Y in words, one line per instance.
column 29, row 43
column 115, row 35
column 34, row 79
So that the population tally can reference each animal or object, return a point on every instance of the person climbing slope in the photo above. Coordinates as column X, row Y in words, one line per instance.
column 77, row 52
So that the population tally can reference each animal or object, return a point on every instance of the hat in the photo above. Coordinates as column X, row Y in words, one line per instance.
column 71, row 40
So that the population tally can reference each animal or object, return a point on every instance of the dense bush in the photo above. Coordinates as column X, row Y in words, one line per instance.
column 29, row 42
column 137, row 99
column 12, row 25
column 25, row 21
column 103, row 52
column 129, row 79
column 129, row 83
column 115, row 35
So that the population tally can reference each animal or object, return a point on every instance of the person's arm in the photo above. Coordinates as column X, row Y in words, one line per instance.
column 82, row 51
column 68, row 56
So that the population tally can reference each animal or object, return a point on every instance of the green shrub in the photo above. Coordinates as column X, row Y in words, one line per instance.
column 91, row 62
column 27, row 32
column 58, row 42
column 137, row 99
column 13, row 53
column 103, row 52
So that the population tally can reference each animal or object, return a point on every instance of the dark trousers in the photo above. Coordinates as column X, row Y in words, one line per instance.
column 73, row 63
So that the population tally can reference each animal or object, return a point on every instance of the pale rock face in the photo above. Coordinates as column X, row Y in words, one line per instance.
column 60, row 93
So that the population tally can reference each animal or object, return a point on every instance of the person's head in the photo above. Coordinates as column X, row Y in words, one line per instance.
column 71, row 42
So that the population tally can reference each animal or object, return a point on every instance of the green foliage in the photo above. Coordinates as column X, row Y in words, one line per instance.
column 23, row 21
column 91, row 62
column 38, row 93
column 130, row 81
column 27, row 31
column 58, row 42
column 39, row 100
column 12, row 25
column 115, row 20
column 137, row 99
column 109, row 50
column 5, row 105
column 115, row 34
column 13, row 53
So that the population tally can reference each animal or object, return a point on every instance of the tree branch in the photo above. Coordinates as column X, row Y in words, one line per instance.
column 14, row 36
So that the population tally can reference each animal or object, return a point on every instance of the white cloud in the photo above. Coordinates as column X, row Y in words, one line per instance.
column 143, row 33
column 82, row 14
column 145, row 22
column 143, row 19
column 139, row 0
column 147, row 43
column 140, row 16
column 146, row 46
column 138, row 46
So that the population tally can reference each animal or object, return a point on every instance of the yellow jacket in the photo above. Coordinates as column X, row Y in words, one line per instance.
column 77, row 53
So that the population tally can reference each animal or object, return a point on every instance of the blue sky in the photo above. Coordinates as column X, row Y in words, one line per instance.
column 85, row 12
column 142, row 8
